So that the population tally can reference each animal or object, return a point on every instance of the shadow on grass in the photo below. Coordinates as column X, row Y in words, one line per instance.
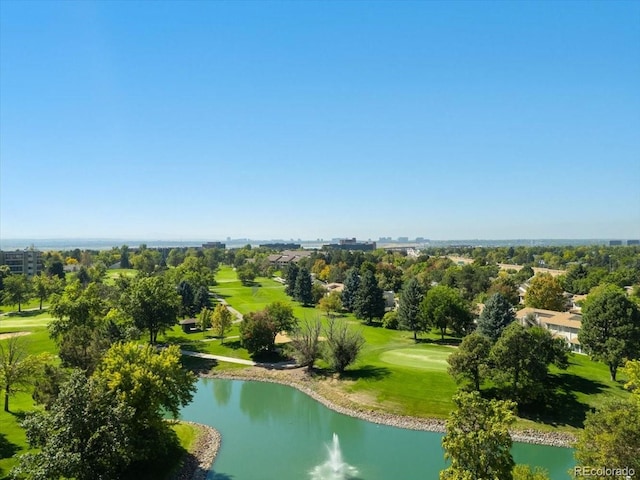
column 198, row 365
column 440, row 341
column 270, row 357
column 26, row 313
column 367, row 372
column 233, row 344
column 218, row 296
column 7, row 448
column 559, row 404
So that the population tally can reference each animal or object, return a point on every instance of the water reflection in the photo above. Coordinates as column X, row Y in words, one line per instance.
column 285, row 432
column 260, row 406
column 222, row 392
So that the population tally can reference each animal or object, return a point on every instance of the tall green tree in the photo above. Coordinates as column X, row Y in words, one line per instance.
column 443, row 308
column 257, row 332
column 153, row 304
column 409, row 317
column 83, row 346
column 632, row 369
column 124, row 257
column 221, row 321
column 154, row 384
column 522, row 356
column 146, row 260
column 18, row 369
column 16, row 291
column 151, row 382
column 470, row 361
column 496, row 315
column 292, row 275
column 282, row 317
column 77, row 307
column 43, row 286
column 369, row 300
column 477, row 441
column 351, row 287
column 201, row 299
column 331, row 303
column 87, row 434
column 610, row 329
column 545, row 292
column 204, row 321
column 611, row 437
column 187, row 296
column 247, row 272
column 302, row 291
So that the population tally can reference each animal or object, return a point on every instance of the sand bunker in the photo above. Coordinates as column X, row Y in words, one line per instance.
column 4, row 336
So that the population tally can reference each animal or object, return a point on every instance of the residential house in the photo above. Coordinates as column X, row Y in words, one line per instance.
column 564, row 325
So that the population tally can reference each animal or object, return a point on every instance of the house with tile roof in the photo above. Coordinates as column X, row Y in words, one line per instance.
column 564, row 325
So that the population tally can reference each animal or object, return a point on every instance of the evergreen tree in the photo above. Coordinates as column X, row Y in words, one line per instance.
column 124, row 257
column 351, row 286
column 369, row 301
column 185, row 290
column 409, row 317
column 292, row 275
column 495, row 317
column 302, row 291
column 201, row 299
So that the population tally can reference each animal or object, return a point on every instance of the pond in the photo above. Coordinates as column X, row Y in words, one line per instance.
column 275, row 432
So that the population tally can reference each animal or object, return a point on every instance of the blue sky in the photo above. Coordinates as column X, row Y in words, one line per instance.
column 448, row 120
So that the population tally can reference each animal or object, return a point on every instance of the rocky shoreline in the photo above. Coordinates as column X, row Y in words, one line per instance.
column 198, row 461
column 302, row 382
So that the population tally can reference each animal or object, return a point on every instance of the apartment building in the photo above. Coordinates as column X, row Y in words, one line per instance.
column 564, row 325
column 27, row 261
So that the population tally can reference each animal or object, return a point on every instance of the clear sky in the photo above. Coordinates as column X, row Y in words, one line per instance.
column 448, row 120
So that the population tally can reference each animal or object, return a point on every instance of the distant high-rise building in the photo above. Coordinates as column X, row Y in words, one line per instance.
column 352, row 244
column 633, row 242
column 615, row 243
column 214, row 245
column 403, row 239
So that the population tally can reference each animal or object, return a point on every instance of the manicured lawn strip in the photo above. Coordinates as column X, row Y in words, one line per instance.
column 186, row 434
column 33, row 303
column 212, row 345
column 114, row 273
column 13, row 440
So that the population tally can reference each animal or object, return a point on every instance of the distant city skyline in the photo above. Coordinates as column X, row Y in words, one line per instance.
column 207, row 120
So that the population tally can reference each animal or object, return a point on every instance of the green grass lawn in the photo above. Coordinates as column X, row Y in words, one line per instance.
column 12, row 436
column 399, row 375
column 13, row 440
column 114, row 273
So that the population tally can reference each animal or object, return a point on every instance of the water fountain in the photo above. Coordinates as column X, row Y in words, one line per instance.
column 335, row 468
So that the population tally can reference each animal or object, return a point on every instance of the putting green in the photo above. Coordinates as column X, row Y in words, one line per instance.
column 429, row 358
